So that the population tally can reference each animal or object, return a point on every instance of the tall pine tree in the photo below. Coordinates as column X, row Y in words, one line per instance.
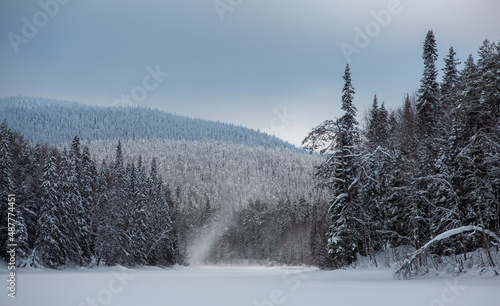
column 428, row 93
column 52, row 245
column 338, row 141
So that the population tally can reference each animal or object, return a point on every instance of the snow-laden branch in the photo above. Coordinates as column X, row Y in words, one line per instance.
column 406, row 266
column 356, row 181
column 338, row 198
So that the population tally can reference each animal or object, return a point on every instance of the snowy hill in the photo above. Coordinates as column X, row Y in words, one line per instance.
column 57, row 122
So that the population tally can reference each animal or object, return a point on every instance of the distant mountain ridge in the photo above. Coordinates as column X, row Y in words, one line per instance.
column 56, row 122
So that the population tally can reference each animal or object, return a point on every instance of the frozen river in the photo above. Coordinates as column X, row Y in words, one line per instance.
column 242, row 286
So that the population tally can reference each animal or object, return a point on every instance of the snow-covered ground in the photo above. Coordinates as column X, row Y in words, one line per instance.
column 240, row 286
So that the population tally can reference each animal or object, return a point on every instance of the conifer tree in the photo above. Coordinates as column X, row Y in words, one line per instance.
column 339, row 142
column 378, row 124
column 78, row 224
column 489, row 80
column 138, row 232
column 51, row 247
column 421, row 206
column 428, row 93
column 88, row 188
column 161, row 244
column 33, row 205
column 119, row 210
column 450, row 82
column 371, row 129
column 113, row 225
column 102, row 221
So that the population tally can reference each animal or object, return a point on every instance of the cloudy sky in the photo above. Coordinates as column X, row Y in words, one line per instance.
column 273, row 65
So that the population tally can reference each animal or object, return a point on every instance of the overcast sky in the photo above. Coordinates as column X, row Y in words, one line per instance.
column 274, row 65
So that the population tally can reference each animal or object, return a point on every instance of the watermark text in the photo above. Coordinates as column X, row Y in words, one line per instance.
column 30, row 27
column 11, row 245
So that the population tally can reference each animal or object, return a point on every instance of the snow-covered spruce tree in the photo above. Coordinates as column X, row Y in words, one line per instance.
column 33, row 204
column 114, row 223
column 138, row 231
column 174, row 256
column 468, row 93
column 408, row 129
column 338, row 141
column 51, row 247
column 102, row 222
column 69, row 201
column 450, row 82
column 375, row 164
column 444, row 199
column 77, row 223
column 377, row 132
column 373, row 120
column 428, row 111
column 161, row 247
column 427, row 151
column 119, row 210
column 448, row 104
column 428, row 93
column 88, row 188
column 488, row 66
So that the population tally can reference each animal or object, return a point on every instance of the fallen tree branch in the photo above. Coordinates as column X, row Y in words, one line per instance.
column 405, row 270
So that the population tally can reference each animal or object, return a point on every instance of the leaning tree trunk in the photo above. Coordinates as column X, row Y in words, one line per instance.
column 405, row 271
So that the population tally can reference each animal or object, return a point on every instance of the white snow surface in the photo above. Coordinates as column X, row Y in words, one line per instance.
column 241, row 286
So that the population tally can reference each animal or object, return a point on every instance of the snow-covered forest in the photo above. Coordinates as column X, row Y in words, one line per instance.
column 154, row 201
column 403, row 178
column 411, row 174
column 235, row 202
column 74, row 213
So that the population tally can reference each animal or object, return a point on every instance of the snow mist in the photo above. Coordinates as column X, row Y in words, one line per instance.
column 199, row 250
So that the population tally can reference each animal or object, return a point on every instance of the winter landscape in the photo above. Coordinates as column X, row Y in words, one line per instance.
column 269, row 164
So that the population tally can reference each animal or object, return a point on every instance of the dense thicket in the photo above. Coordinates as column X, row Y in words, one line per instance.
column 71, row 212
column 56, row 122
column 425, row 168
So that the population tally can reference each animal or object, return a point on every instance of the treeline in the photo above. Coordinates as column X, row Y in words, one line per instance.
column 70, row 211
column 420, row 170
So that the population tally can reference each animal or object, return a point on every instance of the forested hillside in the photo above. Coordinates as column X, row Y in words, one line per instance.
column 235, row 202
column 159, row 202
column 57, row 122
column 223, row 173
